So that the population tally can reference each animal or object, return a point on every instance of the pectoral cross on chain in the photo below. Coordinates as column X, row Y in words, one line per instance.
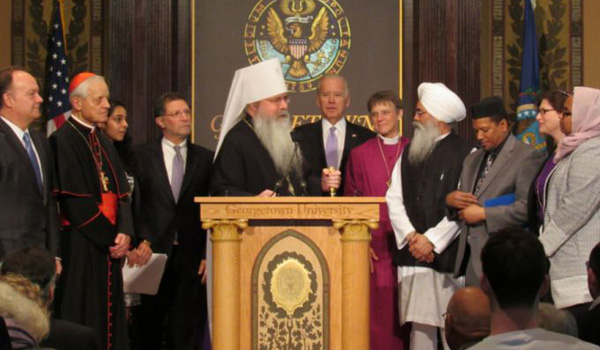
column 104, row 181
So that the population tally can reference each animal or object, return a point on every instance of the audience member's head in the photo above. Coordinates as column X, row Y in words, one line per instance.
column 468, row 317
column 22, row 307
column 593, row 270
column 554, row 320
column 514, row 270
column 37, row 265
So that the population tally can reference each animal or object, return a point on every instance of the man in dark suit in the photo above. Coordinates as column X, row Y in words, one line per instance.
column 588, row 322
column 328, row 143
column 494, row 185
column 171, row 171
column 28, row 214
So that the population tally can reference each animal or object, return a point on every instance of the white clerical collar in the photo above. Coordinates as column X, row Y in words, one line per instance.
column 339, row 126
column 440, row 138
column 389, row 140
column 168, row 143
column 82, row 122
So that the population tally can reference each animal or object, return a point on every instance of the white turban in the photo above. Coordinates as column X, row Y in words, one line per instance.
column 250, row 84
column 443, row 104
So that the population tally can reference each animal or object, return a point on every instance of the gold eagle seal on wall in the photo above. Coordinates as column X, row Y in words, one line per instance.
column 309, row 37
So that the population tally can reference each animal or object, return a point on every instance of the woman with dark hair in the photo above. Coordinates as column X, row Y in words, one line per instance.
column 116, row 129
column 572, row 199
column 550, row 111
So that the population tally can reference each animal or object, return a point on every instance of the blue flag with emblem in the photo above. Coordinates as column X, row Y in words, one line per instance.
column 530, row 83
column 56, row 97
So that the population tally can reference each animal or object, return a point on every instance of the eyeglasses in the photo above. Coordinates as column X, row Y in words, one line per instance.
column 544, row 110
column 180, row 114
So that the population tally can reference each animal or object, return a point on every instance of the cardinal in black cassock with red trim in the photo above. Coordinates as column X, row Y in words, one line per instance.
column 97, row 225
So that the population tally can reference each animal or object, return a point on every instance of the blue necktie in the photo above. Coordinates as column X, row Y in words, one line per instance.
column 33, row 159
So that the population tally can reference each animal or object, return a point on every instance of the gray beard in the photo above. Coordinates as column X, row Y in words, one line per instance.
column 274, row 134
column 423, row 142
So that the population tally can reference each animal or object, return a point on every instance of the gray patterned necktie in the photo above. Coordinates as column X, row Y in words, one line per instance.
column 488, row 164
column 177, row 173
column 331, row 149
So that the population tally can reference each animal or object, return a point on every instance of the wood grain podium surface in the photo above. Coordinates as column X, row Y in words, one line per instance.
column 344, row 244
column 294, row 208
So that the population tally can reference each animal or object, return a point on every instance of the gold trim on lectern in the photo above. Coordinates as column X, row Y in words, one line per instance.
column 225, row 230
column 355, row 230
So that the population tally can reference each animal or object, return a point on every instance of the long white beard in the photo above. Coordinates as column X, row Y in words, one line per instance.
column 274, row 134
column 423, row 142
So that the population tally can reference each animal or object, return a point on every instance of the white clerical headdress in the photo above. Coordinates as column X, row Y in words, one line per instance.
column 250, row 84
column 443, row 104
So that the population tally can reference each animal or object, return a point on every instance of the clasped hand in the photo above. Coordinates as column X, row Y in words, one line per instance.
column 420, row 247
column 121, row 246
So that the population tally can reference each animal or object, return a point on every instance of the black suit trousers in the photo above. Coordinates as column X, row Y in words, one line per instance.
column 180, row 305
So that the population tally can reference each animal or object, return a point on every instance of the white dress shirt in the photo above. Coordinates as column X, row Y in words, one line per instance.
column 20, row 134
column 168, row 149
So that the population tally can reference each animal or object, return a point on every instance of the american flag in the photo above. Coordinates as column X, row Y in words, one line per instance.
column 58, row 107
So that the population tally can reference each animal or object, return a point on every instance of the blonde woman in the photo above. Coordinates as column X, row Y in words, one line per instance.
column 24, row 311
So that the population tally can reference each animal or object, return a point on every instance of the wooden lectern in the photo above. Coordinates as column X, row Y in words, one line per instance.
column 290, row 272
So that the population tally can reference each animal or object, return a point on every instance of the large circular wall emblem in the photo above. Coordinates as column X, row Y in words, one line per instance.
column 309, row 37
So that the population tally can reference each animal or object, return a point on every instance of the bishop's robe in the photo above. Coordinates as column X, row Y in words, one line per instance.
column 367, row 174
column 416, row 200
column 90, row 291
column 244, row 168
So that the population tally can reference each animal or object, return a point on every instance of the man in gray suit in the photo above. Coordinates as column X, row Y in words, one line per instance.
column 494, row 185
column 28, row 214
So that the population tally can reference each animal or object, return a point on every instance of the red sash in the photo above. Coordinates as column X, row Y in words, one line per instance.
column 108, row 207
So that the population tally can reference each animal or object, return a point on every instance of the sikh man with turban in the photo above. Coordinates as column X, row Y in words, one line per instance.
column 428, row 169
column 255, row 155
column 92, row 190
